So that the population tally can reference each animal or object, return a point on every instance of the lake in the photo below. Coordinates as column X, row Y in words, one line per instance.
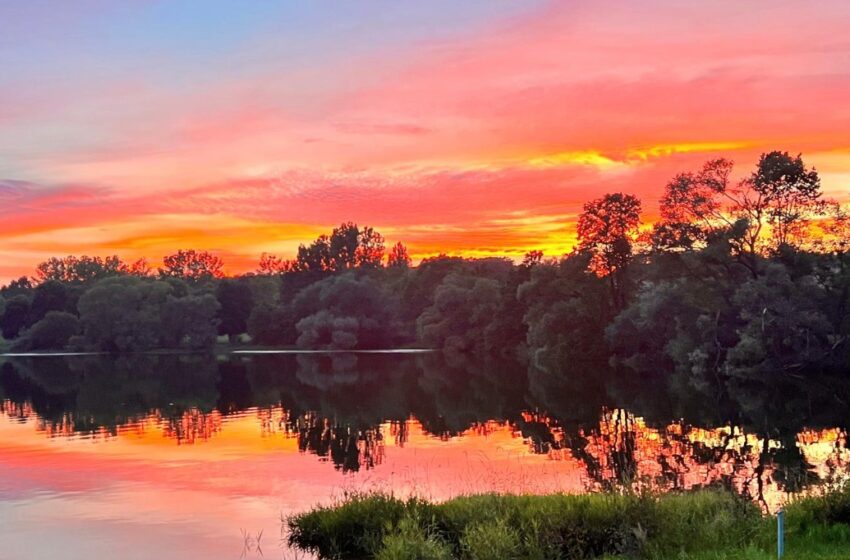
column 190, row 456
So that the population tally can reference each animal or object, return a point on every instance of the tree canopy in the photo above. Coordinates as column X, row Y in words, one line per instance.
column 745, row 278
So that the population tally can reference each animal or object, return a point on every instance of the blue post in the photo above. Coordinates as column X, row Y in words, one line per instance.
column 780, row 533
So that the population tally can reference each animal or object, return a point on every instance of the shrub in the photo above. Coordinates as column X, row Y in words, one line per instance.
column 413, row 542
column 50, row 333
column 354, row 529
column 692, row 521
column 486, row 541
column 703, row 524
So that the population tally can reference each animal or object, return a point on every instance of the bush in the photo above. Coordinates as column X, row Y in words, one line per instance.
column 354, row 529
column 557, row 526
column 829, row 507
column 575, row 526
column 692, row 521
column 486, row 541
column 51, row 333
column 413, row 542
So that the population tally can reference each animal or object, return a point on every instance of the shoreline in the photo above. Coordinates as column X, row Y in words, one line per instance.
column 219, row 351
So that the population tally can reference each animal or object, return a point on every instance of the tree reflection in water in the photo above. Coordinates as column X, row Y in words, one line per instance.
column 657, row 433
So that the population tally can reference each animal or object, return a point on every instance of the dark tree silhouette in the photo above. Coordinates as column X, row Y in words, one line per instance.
column 237, row 301
column 271, row 265
column 532, row 258
column 48, row 296
column 606, row 229
column 692, row 207
column 15, row 316
column 398, row 257
column 785, row 195
column 770, row 209
column 50, row 333
column 192, row 265
column 347, row 247
column 80, row 269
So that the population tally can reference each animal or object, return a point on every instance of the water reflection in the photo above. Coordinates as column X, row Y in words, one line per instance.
column 353, row 411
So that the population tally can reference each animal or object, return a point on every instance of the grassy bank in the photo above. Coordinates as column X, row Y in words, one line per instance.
column 705, row 524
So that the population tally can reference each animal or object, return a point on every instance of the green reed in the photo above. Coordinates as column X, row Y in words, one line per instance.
column 701, row 524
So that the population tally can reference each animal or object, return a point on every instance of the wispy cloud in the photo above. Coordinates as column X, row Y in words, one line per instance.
column 477, row 128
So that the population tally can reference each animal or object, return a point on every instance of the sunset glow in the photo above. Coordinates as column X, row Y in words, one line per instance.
column 475, row 128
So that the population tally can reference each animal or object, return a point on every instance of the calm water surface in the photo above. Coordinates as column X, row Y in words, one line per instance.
column 197, row 457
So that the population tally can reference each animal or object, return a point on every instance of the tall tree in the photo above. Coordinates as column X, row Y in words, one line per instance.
column 15, row 316
column 532, row 259
column 784, row 193
column 52, row 332
column 236, row 300
column 140, row 268
column 80, row 269
column 770, row 209
column 192, row 265
column 314, row 257
column 692, row 207
column 606, row 229
column 343, row 244
column 347, row 247
column 47, row 296
column 398, row 257
column 271, row 265
column 370, row 248
column 20, row 287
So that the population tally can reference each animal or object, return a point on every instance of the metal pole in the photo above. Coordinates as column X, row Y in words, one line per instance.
column 780, row 533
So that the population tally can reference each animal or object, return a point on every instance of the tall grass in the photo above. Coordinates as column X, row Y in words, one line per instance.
column 704, row 524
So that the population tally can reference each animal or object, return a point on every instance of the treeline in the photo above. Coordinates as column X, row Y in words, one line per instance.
column 745, row 278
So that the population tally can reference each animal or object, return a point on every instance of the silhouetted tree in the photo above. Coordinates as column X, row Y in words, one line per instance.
column 20, row 287
column 190, row 322
column 315, row 257
column 345, row 311
column 140, row 268
column 566, row 310
column 770, row 209
column 606, row 229
column 123, row 314
column 463, row 308
column 80, row 269
column 272, row 324
column 50, row 333
column 130, row 314
column 692, row 207
column 272, row 264
column 532, row 258
column 50, row 295
column 784, row 194
column 418, row 287
column 347, row 247
column 370, row 248
column 471, row 310
column 785, row 328
column 15, row 317
column 398, row 257
column 192, row 265
column 236, row 300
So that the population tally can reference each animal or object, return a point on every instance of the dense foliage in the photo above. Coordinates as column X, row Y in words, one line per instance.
column 746, row 279
column 701, row 524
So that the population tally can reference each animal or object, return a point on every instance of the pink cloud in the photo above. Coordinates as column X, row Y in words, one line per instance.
column 455, row 142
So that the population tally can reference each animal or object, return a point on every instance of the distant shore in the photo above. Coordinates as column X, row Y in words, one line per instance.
column 224, row 349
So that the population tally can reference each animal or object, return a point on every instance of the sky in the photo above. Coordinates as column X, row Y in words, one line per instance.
column 474, row 128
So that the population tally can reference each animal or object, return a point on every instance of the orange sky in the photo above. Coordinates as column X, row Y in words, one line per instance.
column 477, row 129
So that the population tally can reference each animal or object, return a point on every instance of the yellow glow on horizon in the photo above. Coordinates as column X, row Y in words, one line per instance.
column 663, row 150
column 582, row 157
